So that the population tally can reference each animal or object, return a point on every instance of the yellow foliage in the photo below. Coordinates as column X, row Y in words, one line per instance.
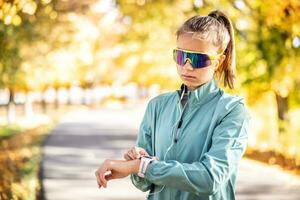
column 19, row 165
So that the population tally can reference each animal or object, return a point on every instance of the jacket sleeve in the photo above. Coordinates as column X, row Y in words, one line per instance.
column 144, row 140
column 204, row 177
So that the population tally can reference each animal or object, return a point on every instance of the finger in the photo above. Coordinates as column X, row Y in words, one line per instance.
column 101, row 175
column 143, row 152
column 107, row 173
column 99, row 183
column 130, row 154
column 102, row 179
column 135, row 154
column 98, row 175
column 126, row 157
column 98, row 179
column 109, row 177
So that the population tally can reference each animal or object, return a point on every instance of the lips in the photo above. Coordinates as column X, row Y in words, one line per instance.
column 187, row 76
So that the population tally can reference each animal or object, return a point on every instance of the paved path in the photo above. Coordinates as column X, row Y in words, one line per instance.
column 85, row 138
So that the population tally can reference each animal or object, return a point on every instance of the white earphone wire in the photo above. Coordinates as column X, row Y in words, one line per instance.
column 168, row 149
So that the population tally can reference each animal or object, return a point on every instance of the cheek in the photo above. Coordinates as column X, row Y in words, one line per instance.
column 210, row 71
column 205, row 73
column 178, row 68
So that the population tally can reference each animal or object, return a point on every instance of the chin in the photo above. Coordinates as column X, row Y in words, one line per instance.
column 189, row 84
column 192, row 84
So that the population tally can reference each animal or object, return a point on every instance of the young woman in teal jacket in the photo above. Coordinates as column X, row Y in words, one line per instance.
column 191, row 141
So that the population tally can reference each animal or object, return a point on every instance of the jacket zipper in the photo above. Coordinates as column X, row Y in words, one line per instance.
column 180, row 120
column 177, row 131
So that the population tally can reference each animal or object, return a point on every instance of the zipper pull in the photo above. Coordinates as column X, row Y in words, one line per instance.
column 178, row 128
column 179, row 124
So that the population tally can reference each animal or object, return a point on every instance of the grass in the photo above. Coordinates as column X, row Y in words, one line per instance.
column 8, row 131
column 20, row 164
column 21, row 155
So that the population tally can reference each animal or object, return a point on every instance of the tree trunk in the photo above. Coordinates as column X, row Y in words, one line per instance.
column 28, row 105
column 69, row 97
column 11, row 113
column 282, row 112
column 84, row 96
column 44, row 103
column 56, row 100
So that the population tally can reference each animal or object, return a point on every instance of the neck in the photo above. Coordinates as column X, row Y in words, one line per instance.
column 191, row 88
column 194, row 88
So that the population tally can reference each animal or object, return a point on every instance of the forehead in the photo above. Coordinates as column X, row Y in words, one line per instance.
column 189, row 41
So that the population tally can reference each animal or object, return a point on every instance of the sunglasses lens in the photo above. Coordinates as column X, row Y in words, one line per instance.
column 197, row 60
column 201, row 60
column 179, row 57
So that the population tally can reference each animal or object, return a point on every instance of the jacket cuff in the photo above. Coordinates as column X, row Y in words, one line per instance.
column 150, row 172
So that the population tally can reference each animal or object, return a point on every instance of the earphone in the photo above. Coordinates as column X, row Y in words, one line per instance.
column 173, row 135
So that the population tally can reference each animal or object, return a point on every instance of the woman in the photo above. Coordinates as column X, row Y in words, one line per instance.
column 194, row 137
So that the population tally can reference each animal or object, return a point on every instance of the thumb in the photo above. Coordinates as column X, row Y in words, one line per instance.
column 109, row 177
column 143, row 152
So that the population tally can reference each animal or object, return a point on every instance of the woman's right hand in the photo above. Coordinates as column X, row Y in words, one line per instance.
column 134, row 153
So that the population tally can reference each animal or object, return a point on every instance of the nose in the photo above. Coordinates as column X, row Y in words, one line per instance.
column 188, row 65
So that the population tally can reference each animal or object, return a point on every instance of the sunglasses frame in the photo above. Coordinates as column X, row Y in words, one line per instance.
column 210, row 56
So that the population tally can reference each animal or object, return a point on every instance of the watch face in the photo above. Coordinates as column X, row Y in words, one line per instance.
column 147, row 156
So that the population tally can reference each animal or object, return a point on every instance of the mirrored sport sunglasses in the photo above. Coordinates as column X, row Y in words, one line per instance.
column 197, row 59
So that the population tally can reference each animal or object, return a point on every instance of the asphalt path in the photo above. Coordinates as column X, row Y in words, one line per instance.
column 85, row 138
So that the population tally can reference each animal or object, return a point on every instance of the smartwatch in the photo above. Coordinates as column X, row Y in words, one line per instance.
column 145, row 161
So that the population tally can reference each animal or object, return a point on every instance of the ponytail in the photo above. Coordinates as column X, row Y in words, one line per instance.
column 227, row 69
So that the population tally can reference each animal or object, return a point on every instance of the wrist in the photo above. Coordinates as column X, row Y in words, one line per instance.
column 135, row 165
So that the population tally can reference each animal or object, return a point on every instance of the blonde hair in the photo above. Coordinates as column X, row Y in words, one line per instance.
column 218, row 28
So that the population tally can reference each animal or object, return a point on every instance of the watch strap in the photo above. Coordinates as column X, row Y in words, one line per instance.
column 145, row 161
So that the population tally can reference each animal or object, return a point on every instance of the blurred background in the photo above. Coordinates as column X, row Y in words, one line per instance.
column 61, row 56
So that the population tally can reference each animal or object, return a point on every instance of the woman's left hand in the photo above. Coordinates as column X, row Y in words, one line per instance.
column 118, row 169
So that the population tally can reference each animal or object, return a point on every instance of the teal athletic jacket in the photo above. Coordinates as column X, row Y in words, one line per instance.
column 202, row 164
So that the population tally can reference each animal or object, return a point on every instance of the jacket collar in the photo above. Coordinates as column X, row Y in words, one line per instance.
column 202, row 94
